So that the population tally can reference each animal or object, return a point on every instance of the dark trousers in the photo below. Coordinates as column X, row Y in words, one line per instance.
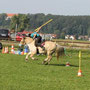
column 38, row 41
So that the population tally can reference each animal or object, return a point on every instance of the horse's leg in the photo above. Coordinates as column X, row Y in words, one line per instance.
column 46, row 59
column 27, row 56
column 50, row 56
column 49, row 59
column 31, row 56
column 50, row 53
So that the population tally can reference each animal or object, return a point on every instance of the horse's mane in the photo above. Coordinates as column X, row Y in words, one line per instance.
column 28, row 39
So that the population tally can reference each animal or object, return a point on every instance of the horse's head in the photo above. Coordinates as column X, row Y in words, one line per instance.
column 25, row 40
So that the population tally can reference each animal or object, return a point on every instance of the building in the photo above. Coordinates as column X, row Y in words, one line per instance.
column 9, row 16
column 81, row 37
column 72, row 37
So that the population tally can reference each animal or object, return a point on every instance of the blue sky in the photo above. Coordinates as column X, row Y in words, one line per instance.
column 55, row 7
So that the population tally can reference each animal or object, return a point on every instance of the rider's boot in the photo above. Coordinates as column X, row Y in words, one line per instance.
column 37, row 51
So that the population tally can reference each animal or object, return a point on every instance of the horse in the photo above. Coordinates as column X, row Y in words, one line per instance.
column 50, row 48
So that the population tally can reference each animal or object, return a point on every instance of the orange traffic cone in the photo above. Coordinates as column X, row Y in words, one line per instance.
column 6, row 50
column 12, row 49
column 3, row 50
column 79, row 73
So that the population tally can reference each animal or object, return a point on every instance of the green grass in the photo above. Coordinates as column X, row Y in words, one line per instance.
column 16, row 74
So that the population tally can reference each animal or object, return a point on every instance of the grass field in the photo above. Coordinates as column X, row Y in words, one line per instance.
column 16, row 74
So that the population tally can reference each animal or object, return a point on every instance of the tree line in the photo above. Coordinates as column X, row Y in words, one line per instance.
column 61, row 25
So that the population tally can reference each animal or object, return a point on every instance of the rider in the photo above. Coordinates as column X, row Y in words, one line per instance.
column 37, row 38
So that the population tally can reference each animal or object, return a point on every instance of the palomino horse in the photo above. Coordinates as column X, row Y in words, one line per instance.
column 50, row 48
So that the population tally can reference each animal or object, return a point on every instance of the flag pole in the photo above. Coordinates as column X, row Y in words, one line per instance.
column 80, row 59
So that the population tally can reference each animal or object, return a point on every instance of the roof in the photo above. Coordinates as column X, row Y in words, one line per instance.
column 10, row 15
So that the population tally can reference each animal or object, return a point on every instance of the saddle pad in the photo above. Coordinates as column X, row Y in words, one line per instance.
column 43, row 44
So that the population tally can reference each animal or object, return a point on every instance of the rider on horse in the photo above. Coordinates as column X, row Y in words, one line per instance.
column 38, row 38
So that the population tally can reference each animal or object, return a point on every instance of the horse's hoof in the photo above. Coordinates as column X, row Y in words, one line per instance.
column 34, row 59
column 26, row 60
column 46, row 63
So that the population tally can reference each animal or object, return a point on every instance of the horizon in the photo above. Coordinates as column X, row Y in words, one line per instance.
column 44, row 14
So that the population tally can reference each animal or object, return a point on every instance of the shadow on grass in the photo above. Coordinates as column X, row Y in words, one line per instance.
column 58, row 65
column 63, row 65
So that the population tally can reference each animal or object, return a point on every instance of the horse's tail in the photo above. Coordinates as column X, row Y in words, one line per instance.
column 59, row 51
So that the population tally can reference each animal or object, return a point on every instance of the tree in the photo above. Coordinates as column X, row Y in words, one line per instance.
column 89, row 31
column 57, row 32
column 3, row 22
column 21, row 21
column 14, row 22
column 62, row 35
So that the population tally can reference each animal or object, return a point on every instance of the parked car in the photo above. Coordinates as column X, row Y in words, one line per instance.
column 20, row 36
column 4, row 34
column 0, row 45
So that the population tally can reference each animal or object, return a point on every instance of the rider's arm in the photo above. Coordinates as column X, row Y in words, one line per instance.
column 34, row 36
